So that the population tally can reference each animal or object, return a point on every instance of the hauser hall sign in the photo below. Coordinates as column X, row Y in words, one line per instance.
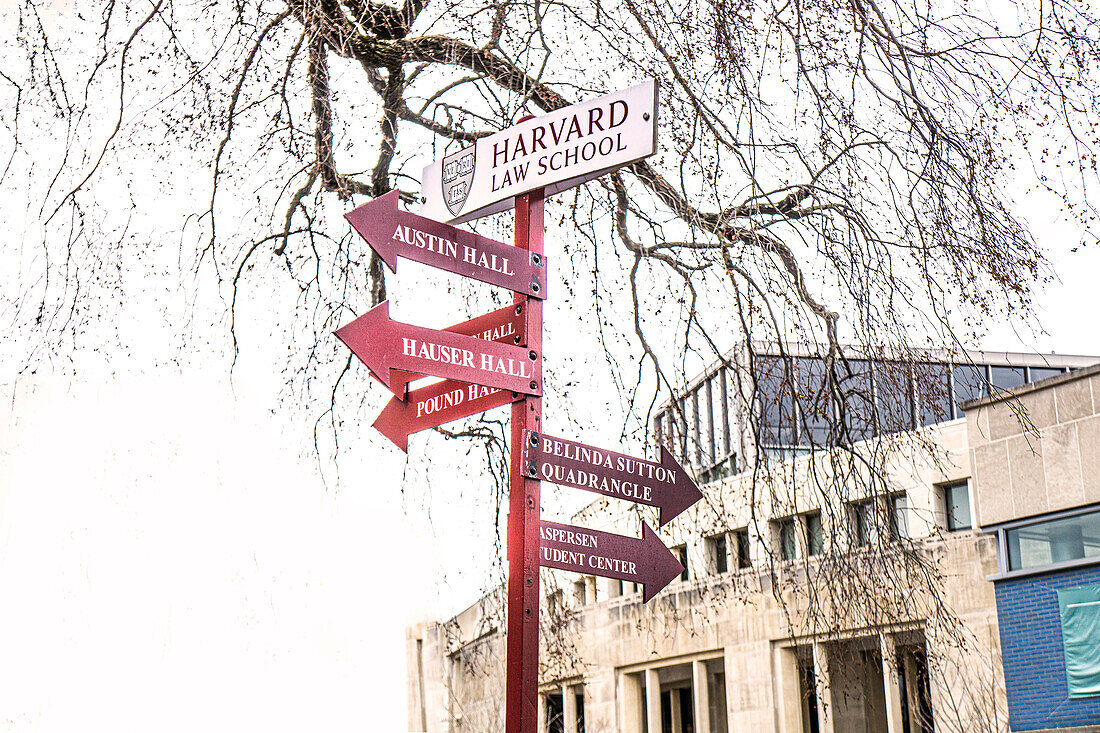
column 555, row 151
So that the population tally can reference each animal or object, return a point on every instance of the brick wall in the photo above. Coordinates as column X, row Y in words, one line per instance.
column 1031, row 650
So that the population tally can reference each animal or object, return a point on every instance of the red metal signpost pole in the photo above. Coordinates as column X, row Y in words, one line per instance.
column 524, row 506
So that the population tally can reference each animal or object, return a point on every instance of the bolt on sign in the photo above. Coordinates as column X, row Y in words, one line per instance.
column 496, row 358
column 555, row 152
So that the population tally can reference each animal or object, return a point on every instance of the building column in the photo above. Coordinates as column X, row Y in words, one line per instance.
column 788, row 703
column 889, row 651
column 702, row 696
column 542, row 713
column 653, row 701
column 826, row 710
column 630, row 703
column 569, row 707
column 589, row 590
column 675, row 702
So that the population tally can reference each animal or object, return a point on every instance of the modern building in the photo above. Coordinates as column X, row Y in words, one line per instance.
column 863, row 577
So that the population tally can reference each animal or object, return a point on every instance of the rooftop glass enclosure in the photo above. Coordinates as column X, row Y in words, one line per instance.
column 794, row 409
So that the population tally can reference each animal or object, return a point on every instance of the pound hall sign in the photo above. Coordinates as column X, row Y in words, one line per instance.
column 556, row 151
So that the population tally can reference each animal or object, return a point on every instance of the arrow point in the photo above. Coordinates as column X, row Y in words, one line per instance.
column 683, row 493
column 663, row 568
column 368, row 336
column 374, row 222
column 387, row 424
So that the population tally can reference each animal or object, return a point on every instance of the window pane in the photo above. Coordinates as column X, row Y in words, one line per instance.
column 744, row 559
column 899, row 517
column 788, row 548
column 698, row 425
column 815, row 539
column 933, row 393
column 776, row 397
column 681, row 554
column 893, row 396
column 854, row 383
column 1003, row 377
column 1038, row 373
column 1060, row 540
column 864, row 516
column 723, row 407
column 718, row 547
column 957, row 499
column 813, row 401
column 969, row 384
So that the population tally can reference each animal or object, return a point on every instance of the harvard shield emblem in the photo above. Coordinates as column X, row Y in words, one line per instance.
column 458, row 175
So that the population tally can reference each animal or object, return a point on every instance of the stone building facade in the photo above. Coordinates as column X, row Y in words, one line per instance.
column 815, row 598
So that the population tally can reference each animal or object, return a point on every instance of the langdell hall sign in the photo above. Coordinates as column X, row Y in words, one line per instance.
column 556, row 151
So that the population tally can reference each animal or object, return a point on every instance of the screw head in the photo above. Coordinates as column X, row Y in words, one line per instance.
column 645, row 116
column 533, row 355
column 535, row 287
column 534, row 384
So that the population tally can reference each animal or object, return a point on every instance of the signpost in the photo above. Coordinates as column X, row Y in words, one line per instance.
column 496, row 358
column 646, row 561
column 393, row 233
column 664, row 485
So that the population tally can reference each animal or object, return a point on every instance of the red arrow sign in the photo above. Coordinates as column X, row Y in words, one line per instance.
column 386, row 345
column 505, row 325
column 665, row 485
column 434, row 405
column 394, row 233
column 646, row 561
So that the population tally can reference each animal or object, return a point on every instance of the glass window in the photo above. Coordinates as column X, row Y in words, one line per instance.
column 956, row 499
column 1037, row 373
column 698, row 423
column 863, row 517
column 1005, row 377
column 788, row 540
column 1079, row 609
column 719, row 553
column 815, row 538
column 899, row 517
column 857, row 406
column 933, row 392
column 893, row 396
column 970, row 384
column 681, row 553
column 813, row 401
column 706, row 407
column 1054, row 541
column 723, row 409
column 776, row 397
column 741, row 539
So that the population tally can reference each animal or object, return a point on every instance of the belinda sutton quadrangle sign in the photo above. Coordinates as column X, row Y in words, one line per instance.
column 556, row 151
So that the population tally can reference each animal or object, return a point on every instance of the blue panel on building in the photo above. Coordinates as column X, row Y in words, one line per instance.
column 1031, row 651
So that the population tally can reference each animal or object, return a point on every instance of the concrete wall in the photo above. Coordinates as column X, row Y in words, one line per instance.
column 1036, row 449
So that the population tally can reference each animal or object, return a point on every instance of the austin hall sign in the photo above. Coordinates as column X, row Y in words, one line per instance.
column 496, row 358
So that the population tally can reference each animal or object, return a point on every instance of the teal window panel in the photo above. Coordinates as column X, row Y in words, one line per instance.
column 1080, row 611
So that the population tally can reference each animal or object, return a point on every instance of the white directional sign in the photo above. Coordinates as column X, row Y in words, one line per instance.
column 557, row 151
